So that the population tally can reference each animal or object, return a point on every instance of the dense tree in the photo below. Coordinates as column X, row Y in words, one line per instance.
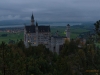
column 97, row 27
column 72, row 60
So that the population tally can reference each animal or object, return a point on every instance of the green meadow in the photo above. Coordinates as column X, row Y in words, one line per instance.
column 75, row 31
column 11, row 36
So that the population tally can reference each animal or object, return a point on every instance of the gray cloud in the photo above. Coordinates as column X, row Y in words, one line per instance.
column 50, row 10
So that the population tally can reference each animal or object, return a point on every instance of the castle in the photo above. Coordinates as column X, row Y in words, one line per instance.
column 35, row 35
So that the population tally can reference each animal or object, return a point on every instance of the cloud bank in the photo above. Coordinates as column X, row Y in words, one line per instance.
column 50, row 10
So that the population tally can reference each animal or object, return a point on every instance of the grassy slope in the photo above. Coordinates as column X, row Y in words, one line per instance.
column 75, row 31
column 11, row 36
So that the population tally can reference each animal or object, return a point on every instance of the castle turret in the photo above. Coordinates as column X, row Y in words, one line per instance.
column 36, row 33
column 36, row 24
column 32, row 19
column 68, row 31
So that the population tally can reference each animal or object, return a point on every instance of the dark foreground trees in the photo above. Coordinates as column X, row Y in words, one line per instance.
column 15, row 59
column 97, row 27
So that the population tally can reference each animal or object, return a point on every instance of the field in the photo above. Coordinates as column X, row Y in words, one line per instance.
column 75, row 31
column 11, row 36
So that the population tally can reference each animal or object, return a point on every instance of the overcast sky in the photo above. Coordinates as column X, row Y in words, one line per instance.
column 50, row 10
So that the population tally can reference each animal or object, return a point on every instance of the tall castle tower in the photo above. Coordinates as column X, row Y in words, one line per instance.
column 36, row 28
column 32, row 19
column 68, row 32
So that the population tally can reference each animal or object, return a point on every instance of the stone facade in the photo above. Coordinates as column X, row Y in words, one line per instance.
column 35, row 35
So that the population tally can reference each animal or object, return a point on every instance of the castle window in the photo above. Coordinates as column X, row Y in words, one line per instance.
column 34, row 42
column 54, row 49
column 34, row 38
column 28, row 41
column 28, row 35
column 25, row 37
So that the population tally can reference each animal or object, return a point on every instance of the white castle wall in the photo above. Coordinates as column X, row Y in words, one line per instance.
column 37, row 41
column 56, row 42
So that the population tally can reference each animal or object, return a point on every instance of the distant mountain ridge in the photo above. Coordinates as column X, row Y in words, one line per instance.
column 27, row 22
column 13, row 22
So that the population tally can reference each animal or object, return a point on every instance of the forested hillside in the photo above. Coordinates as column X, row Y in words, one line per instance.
column 15, row 59
column 75, row 58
